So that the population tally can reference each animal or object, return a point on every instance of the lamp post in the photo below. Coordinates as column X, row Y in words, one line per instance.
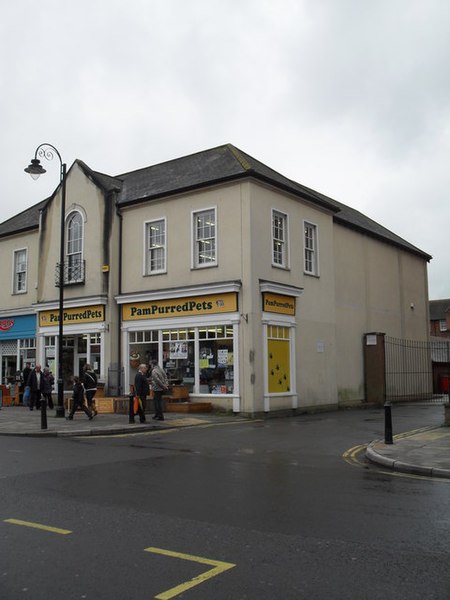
column 35, row 169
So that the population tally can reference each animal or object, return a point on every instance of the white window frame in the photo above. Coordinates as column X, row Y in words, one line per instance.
column 80, row 244
column 20, row 268
column 310, row 250
column 282, row 242
column 442, row 325
column 197, row 241
column 149, row 250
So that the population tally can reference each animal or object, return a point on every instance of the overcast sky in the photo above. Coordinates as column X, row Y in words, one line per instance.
column 349, row 97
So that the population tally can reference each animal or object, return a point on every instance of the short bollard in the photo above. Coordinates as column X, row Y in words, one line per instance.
column 388, row 424
column 43, row 414
column 130, row 408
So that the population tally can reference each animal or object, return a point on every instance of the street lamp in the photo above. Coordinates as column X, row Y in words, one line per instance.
column 35, row 169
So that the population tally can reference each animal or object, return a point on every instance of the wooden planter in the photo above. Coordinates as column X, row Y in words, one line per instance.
column 179, row 392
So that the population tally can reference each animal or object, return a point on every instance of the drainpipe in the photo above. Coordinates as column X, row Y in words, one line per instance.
column 119, row 308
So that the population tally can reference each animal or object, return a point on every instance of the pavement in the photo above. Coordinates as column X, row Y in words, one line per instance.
column 425, row 451
column 21, row 421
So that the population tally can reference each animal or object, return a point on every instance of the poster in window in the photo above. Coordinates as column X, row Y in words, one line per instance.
column 222, row 357
column 178, row 350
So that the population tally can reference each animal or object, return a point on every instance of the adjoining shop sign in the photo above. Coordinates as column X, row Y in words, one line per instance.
column 72, row 316
column 181, row 307
column 18, row 327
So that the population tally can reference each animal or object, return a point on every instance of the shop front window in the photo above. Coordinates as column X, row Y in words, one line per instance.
column 178, row 356
column 190, row 356
column 27, row 351
column 143, row 349
column 216, row 360
column 50, row 352
column 95, row 352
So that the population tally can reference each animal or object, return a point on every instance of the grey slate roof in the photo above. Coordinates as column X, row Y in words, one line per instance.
column 206, row 168
column 27, row 220
column 211, row 167
column 439, row 309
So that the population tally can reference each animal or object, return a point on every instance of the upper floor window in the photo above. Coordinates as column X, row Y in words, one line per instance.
column 20, row 271
column 155, row 247
column 279, row 239
column 75, row 234
column 204, row 226
column 310, row 249
column 442, row 325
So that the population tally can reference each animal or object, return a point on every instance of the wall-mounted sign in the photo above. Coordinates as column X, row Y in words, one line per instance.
column 180, row 307
column 6, row 324
column 73, row 316
column 278, row 303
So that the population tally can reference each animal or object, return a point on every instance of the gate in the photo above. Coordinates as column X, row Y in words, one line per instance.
column 415, row 370
column 396, row 369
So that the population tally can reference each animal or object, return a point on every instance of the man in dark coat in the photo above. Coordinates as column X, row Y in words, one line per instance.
column 47, row 387
column 36, row 383
column 141, row 390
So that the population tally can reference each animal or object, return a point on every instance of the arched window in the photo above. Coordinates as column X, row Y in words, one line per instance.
column 75, row 271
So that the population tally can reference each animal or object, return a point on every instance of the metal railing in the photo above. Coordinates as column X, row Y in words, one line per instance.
column 416, row 370
column 74, row 272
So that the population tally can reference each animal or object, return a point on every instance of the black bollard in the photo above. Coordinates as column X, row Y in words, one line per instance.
column 131, row 408
column 388, row 424
column 43, row 413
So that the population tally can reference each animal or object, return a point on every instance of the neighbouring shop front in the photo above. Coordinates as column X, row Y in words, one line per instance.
column 83, row 340
column 17, row 346
column 194, row 338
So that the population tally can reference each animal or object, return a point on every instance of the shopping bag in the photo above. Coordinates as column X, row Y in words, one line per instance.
column 26, row 395
column 137, row 404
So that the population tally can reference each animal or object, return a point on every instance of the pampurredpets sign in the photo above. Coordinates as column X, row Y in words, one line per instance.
column 84, row 314
column 180, row 307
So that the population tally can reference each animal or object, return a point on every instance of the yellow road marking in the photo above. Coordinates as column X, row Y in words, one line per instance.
column 350, row 455
column 38, row 526
column 218, row 567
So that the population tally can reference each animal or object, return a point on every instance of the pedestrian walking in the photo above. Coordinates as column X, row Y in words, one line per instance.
column 160, row 384
column 47, row 387
column 78, row 399
column 25, row 387
column 90, row 387
column 36, row 384
column 141, row 390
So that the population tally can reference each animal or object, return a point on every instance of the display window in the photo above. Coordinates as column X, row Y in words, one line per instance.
column 200, row 358
column 179, row 356
column 216, row 360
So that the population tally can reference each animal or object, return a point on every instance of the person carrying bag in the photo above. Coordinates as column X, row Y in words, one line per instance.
column 90, row 387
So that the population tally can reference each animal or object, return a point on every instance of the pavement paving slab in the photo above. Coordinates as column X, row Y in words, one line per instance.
column 20, row 421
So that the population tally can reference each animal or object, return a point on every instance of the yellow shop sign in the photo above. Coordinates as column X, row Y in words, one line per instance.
column 72, row 316
column 180, row 307
column 278, row 303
